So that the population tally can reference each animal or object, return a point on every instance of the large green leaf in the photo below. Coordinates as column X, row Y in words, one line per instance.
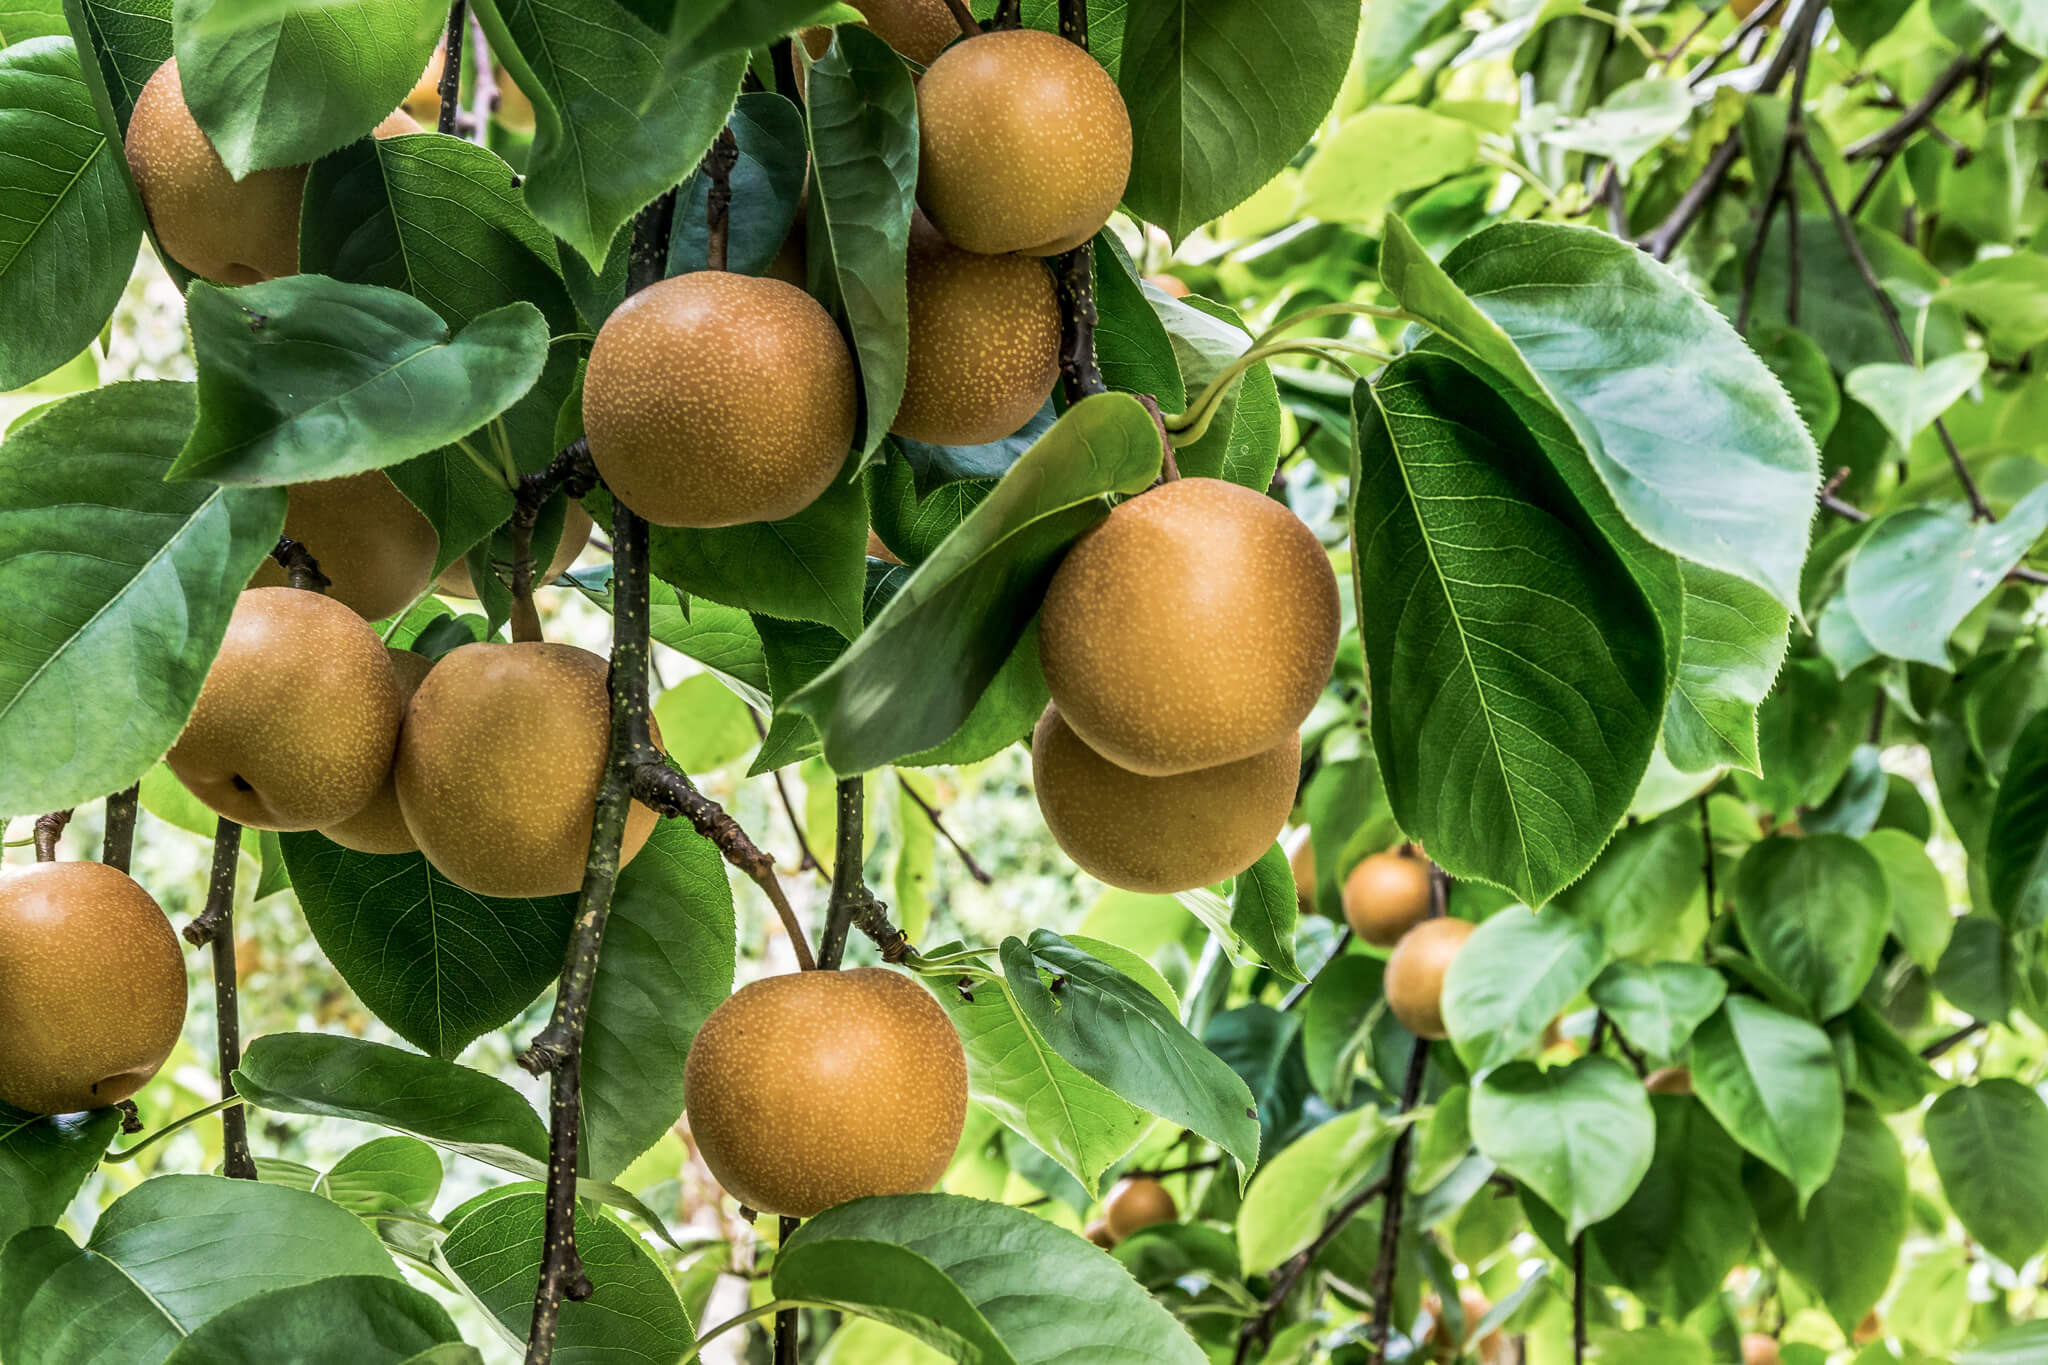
column 1136, row 351
column 158, row 1265
column 1016, row 1075
column 309, row 378
column 1657, row 1007
column 1640, row 887
column 1222, row 95
column 1921, row 921
column 1516, row 974
column 1112, row 1029
column 1847, row 1239
column 611, row 132
column 69, row 224
column 1694, row 437
column 918, row 669
column 1392, row 33
column 861, row 118
column 1815, row 912
column 667, row 963
column 384, row 1175
column 341, row 1320
column 1923, row 569
column 107, row 572
column 2025, row 22
column 633, row 1315
column 122, row 43
column 1303, row 1184
column 22, row 20
column 1517, row 674
column 2016, row 862
column 43, row 1161
column 1381, row 153
column 981, row 1281
column 442, row 966
column 703, row 29
column 1734, row 643
column 281, row 82
column 1990, row 1144
column 1264, row 907
column 1580, row 1137
column 1688, row 1223
column 1772, row 1081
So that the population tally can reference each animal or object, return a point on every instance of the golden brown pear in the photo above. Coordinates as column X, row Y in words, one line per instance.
column 918, row 29
column 1159, row 834
column 1488, row 1349
column 375, row 547
column 1135, row 1203
column 1098, row 1232
column 1385, row 896
column 1759, row 1349
column 1669, row 1080
column 1024, row 144
column 984, row 343
column 1302, row 863
column 1195, row 625
column 877, row 550
column 807, row 1090
column 713, row 399
column 515, row 106
column 94, row 987
column 1173, row 286
column 219, row 228
column 379, row 827
column 295, row 724
column 576, row 524
column 1415, row 974
column 498, row 766
column 424, row 103
column 397, row 123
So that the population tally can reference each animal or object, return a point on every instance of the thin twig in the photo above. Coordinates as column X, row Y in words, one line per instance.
column 787, row 1322
column 1888, row 142
column 301, row 570
column 806, row 860
column 49, row 829
column 1781, row 189
column 974, row 869
column 1758, row 17
column 964, row 17
column 215, row 927
column 718, row 164
column 1943, row 1045
column 525, row 616
column 1579, row 1299
column 118, row 849
column 450, row 88
column 1257, row 1331
column 1390, row 1219
column 850, row 895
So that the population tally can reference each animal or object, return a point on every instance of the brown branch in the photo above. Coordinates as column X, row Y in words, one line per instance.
column 525, row 616
column 1258, row 1330
column 1397, row 1188
column 118, row 848
column 852, row 903
column 49, row 829
column 1579, row 1299
column 974, row 869
column 718, row 164
column 1888, row 142
column 806, row 860
column 1075, row 275
column 1009, row 14
column 1758, row 17
column 1074, row 21
column 1780, row 193
column 787, row 1321
column 215, row 928
column 302, row 571
column 450, row 88
column 964, row 17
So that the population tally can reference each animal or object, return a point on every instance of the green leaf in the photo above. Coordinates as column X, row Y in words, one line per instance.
column 407, row 939
column 309, row 378
column 667, row 963
column 1304, row 1183
column 610, row 131
column 1714, row 466
column 1393, row 32
column 2016, row 862
column 106, row 572
column 283, row 82
column 1243, row 440
column 1688, row 1223
column 963, row 1275
column 1335, row 1021
column 710, row 725
column 21, row 20
column 1658, row 1007
column 2024, row 23
column 634, row 1314
column 43, row 1161
column 1136, row 353
column 1263, row 908
column 1808, row 730
column 2020, row 1346
column 126, row 40
column 1254, row 77
column 1836, row 308
column 1015, row 1074
column 704, row 29
column 1734, row 642
column 1771, row 1080
column 1630, row 123
column 1113, row 1030
column 916, row 672
column 1990, row 1145
column 1846, row 1240
column 1907, row 398
column 1923, row 569
column 861, row 118
column 69, row 223
column 1815, row 912
column 384, row 1175
column 1640, row 887
column 1580, row 1136
column 2008, row 294
column 1920, row 912
column 157, row 1267
column 1517, row 973
column 767, row 184
column 1516, row 672
column 1376, row 156
column 341, row 1320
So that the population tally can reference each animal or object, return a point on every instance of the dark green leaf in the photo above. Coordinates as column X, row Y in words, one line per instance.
column 703, row 29
column 767, row 185
column 2016, row 864
column 341, row 1320
column 122, row 43
column 106, row 571
column 1923, row 569
column 1772, row 1081
column 43, row 1161
column 1657, row 1007
column 1347, row 995
column 1847, row 1239
column 935, row 468
column 1516, row 974
column 1688, row 1223
column 1131, row 343
column 1853, row 806
column 1979, row 969
column 1815, row 912
column 1807, row 733
column 1990, row 1144
column 1581, row 1136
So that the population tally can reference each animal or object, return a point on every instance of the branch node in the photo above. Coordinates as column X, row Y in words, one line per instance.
column 302, row 571
column 49, row 829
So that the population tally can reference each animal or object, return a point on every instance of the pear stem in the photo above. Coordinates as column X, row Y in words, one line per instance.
column 450, row 88
column 302, row 571
column 718, row 164
column 965, row 18
column 215, row 927
column 49, row 829
column 525, row 616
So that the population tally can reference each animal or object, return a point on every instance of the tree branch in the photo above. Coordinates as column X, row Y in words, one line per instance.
column 1780, row 193
column 806, row 860
column 301, row 569
column 1074, row 274
column 450, row 88
column 215, row 927
column 1009, row 14
column 974, row 869
column 964, row 17
column 49, row 829
column 1887, row 143
column 1390, row 1222
column 852, row 903
column 1579, row 1299
column 1258, row 1330
column 718, row 164
column 1758, row 17
column 118, row 849
column 1947, row 1043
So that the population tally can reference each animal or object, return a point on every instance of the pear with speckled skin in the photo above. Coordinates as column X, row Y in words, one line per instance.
column 713, row 399
column 219, row 228
column 984, row 343
column 374, row 546
column 1024, row 144
column 1414, row 981
column 95, row 987
column 576, row 524
column 1159, row 834
column 1195, row 625
column 379, row 827
column 1386, row 895
column 498, row 766
column 918, row 29
column 807, row 1090
column 1137, row 1203
column 295, row 724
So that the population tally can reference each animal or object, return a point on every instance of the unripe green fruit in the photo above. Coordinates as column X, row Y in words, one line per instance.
column 1024, row 144
column 296, row 722
column 1193, row 626
column 92, row 987
column 1415, row 974
column 498, row 767
column 713, row 399
column 375, row 547
column 1159, row 834
column 807, row 1090
column 1385, row 896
